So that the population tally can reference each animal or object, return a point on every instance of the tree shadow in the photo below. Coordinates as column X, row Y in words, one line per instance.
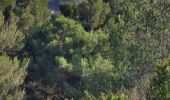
column 46, row 81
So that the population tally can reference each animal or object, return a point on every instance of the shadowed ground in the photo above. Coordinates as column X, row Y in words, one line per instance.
column 53, row 5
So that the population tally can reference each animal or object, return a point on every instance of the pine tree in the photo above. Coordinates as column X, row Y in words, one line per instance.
column 160, row 87
column 12, row 74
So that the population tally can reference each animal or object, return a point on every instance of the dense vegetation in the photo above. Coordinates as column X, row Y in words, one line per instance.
column 93, row 50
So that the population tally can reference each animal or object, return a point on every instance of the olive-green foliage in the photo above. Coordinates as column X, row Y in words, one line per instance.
column 31, row 13
column 99, row 75
column 103, row 96
column 100, row 50
column 39, row 10
column 5, row 3
column 12, row 24
column 16, row 18
column 69, row 10
column 116, row 58
column 1, row 18
column 22, row 3
column 93, row 13
column 81, row 48
column 10, row 36
column 12, row 76
column 160, row 87
column 65, row 45
column 137, row 36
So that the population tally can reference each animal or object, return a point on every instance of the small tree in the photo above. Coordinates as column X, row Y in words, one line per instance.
column 160, row 87
column 12, row 74
column 93, row 13
column 69, row 10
